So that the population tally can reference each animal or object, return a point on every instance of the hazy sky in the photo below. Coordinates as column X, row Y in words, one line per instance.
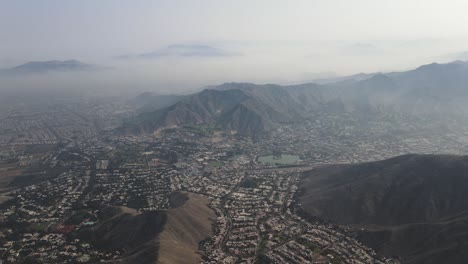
column 264, row 41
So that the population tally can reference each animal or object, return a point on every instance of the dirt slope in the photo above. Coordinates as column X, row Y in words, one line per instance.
column 186, row 226
column 412, row 206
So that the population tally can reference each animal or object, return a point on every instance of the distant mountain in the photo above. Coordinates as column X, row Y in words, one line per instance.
column 181, row 50
column 37, row 67
column 413, row 206
column 435, row 89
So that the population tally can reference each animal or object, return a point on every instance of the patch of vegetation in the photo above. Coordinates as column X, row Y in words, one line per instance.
column 262, row 259
column 215, row 164
column 310, row 245
column 78, row 217
column 249, row 183
column 36, row 174
column 38, row 227
column 201, row 129
column 69, row 156
column 262, row 245
column 282, row 159
column 125, row 154
column 41, row 148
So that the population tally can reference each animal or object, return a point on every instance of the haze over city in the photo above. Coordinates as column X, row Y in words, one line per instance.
column 184, row 45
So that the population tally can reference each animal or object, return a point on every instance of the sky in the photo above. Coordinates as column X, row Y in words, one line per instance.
column 180, row 45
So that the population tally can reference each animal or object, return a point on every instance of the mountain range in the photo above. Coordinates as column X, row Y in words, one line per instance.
column 411, row 206
column 38, row 67
column 181, row 50
column 252, row 109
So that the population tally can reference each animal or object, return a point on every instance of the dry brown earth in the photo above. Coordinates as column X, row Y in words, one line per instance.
column 186, row 226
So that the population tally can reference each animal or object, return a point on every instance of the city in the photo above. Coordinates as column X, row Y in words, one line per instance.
column 257, row 218
column 233, row 132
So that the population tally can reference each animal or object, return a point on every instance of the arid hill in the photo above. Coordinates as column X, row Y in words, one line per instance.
column 412, row 206
column 186, row 226
column 170, row 236
column 124, row 229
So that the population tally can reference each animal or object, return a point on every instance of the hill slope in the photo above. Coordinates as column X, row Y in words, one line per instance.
column 170, row 236
column 124, row 229
column 414, row 206
column 187, row 225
